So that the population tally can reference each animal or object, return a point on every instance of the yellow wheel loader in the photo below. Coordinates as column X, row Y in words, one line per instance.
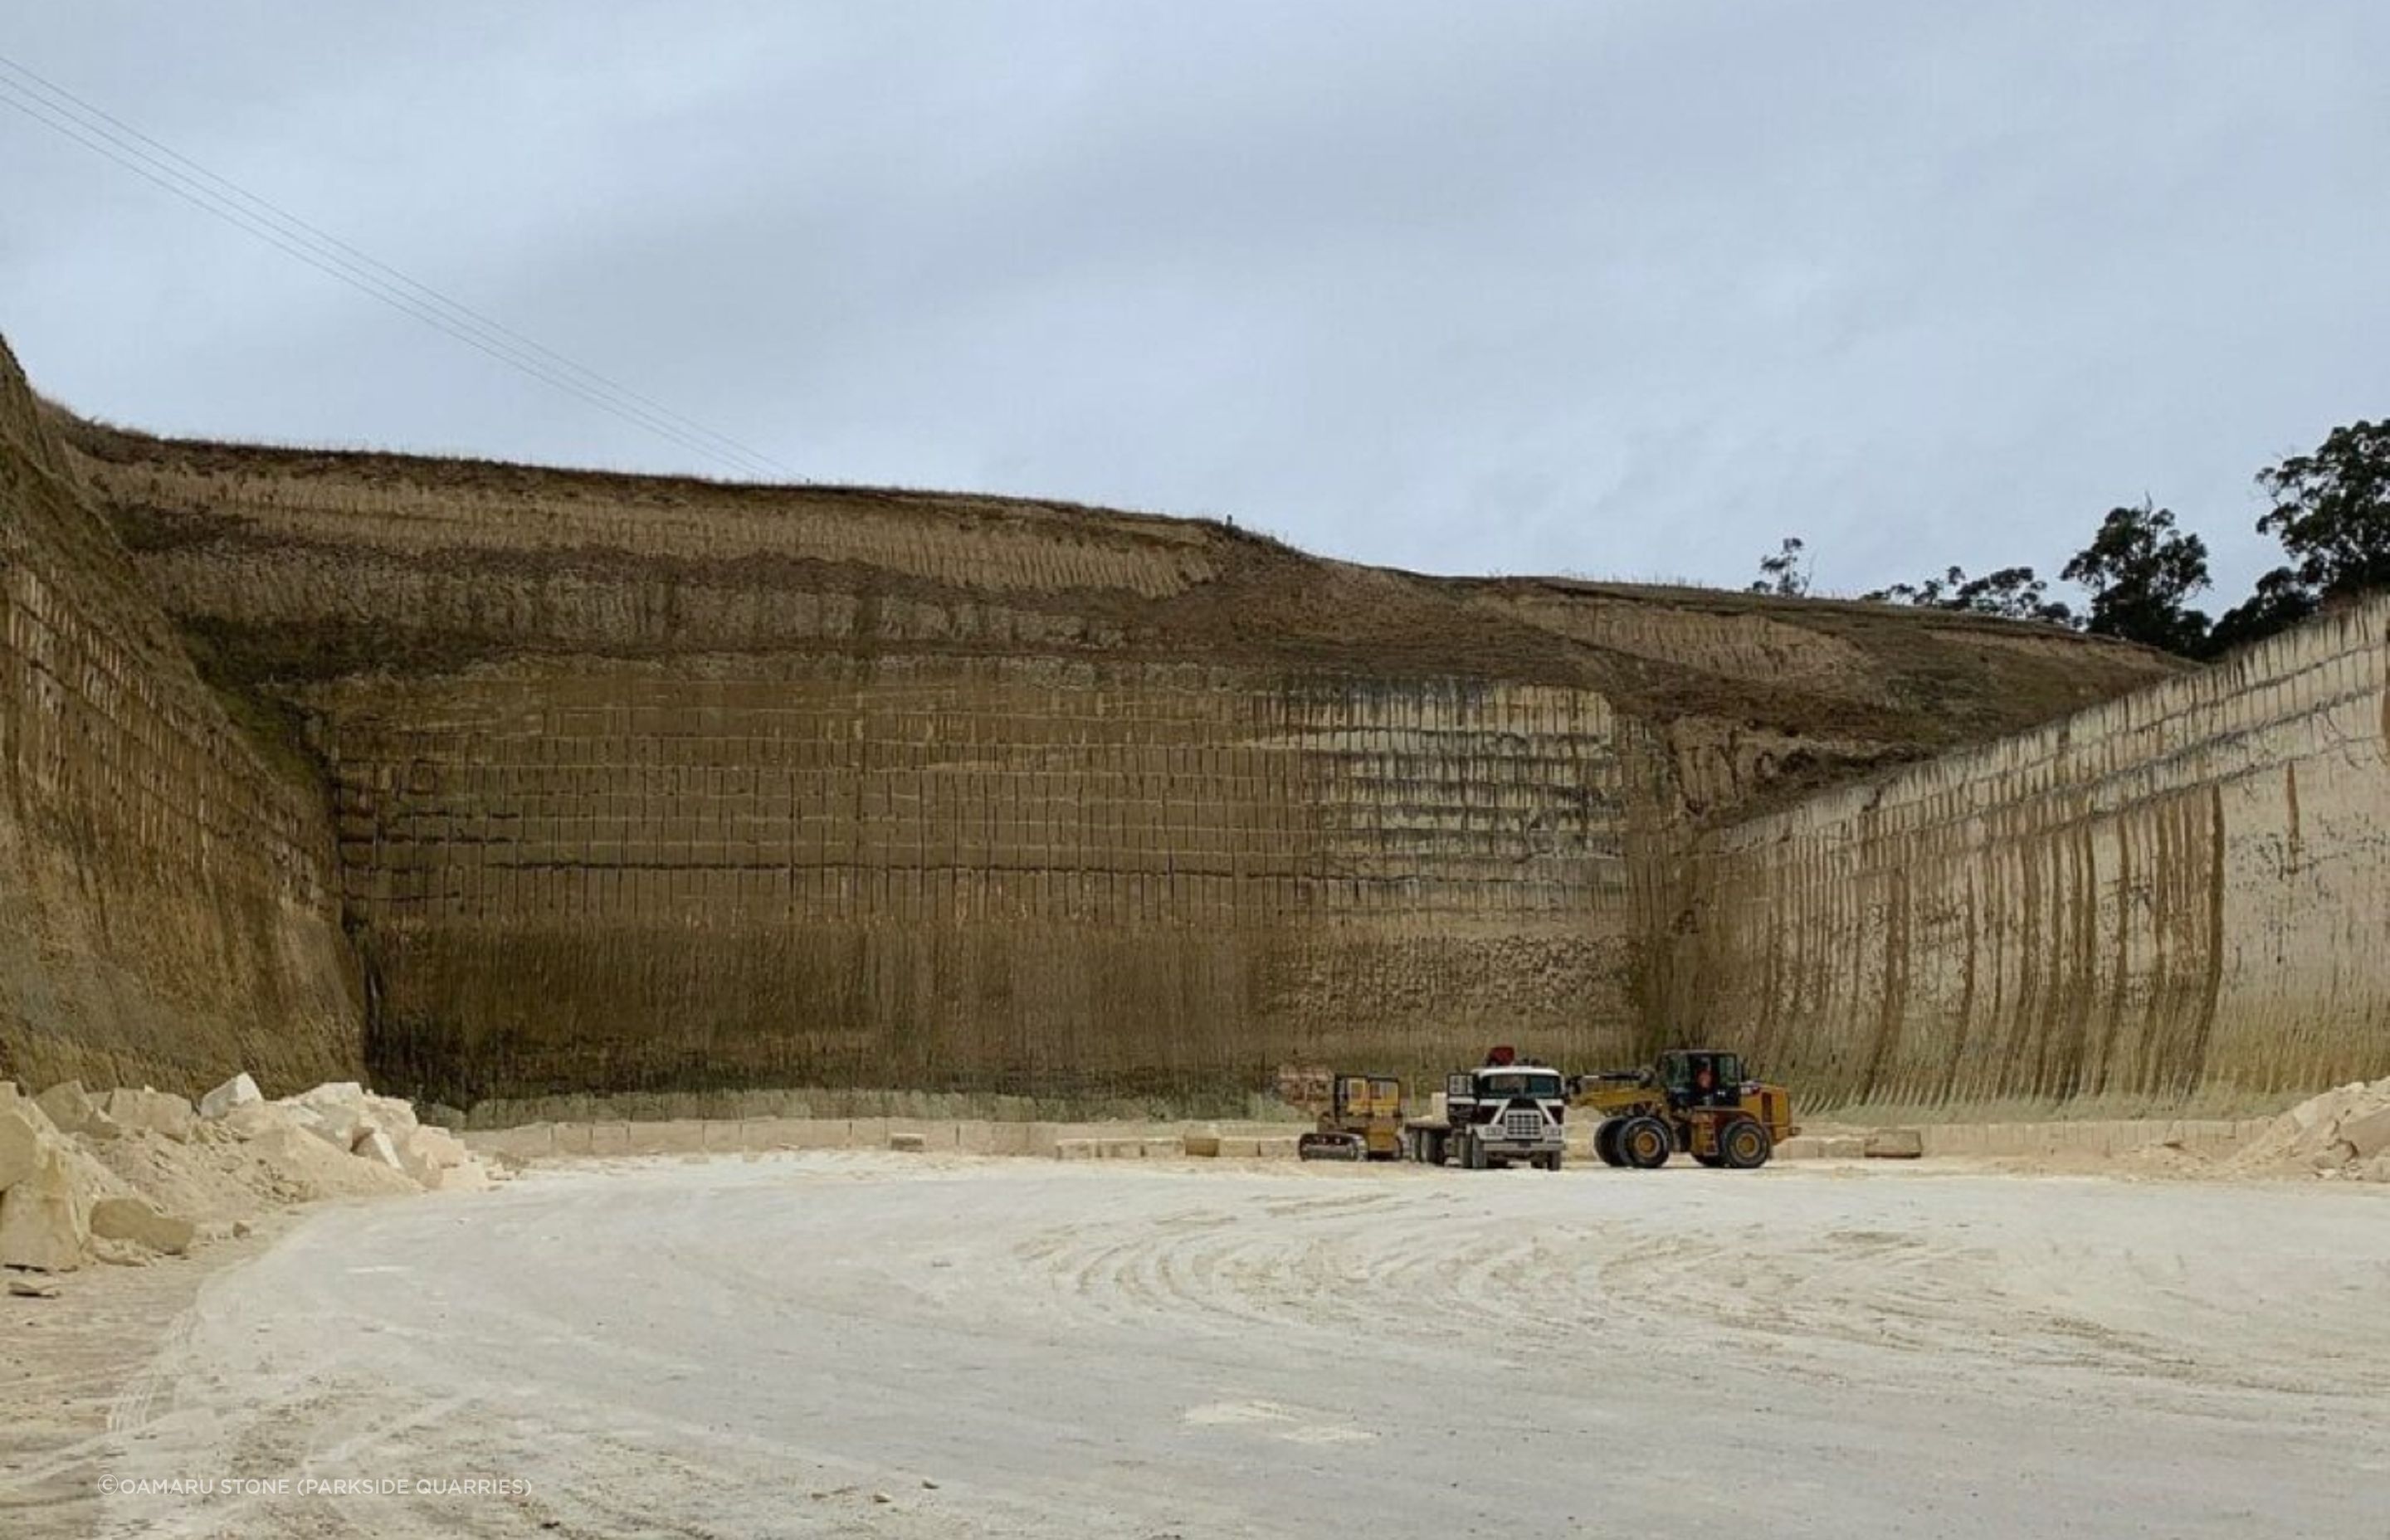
column 1691, row 1099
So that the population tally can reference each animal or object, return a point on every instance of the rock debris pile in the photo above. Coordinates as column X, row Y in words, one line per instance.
column 2344, row 1134
column 130, row 1175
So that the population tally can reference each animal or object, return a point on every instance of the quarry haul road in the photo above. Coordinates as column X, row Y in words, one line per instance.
column 910, row 1346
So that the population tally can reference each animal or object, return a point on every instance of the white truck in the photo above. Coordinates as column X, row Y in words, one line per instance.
column 1494, row 1115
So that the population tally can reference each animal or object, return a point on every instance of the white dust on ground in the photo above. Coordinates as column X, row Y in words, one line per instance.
column 116, row 1208
column 868, row 1345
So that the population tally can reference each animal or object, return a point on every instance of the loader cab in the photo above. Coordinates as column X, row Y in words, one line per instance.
column 1700, row 1077
column 1364, row 1096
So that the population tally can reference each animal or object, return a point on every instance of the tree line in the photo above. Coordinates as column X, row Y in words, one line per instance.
column 2331, row 513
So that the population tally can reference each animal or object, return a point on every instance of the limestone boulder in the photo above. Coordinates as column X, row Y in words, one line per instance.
column 72, row 1110
column 239, row 1091
column 424, row 1153
column 2368, row 1133
column 255, row 1120
column 334, row 1113
column 468, row 1177
column 374, row 1145
column 160, row 1113
column 137, row 1220
column 22, row 1139
column 45, row 1223
column 394, row 1115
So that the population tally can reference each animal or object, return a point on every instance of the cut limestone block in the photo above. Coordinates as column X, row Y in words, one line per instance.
column 1203, row 1146
column 1843, row 1147
column 42, row 1222
column 1894, row 1144
column 1075, row 1150
column 239, row 1091
column 161, row 1112
column 1802, row 1147
column 135, row 1220
column 909, row 1143
column 69, row 1107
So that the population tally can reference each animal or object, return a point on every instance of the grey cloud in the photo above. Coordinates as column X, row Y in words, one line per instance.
column 1613, row 289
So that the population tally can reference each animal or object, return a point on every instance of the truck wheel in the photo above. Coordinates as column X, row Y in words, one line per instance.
column 1745, row 1145
column 1550, row 1161
column 1605, row 1141
column 1472, row 1152
column 1432, row 1147
column 1646, row 1143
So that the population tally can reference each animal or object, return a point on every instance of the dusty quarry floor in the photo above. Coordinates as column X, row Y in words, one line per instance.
column 909, row 1346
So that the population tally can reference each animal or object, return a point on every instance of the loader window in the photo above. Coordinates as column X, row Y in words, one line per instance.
column 1702, row 1079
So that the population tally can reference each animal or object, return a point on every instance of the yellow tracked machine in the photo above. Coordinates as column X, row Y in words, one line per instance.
column 1356, row 1117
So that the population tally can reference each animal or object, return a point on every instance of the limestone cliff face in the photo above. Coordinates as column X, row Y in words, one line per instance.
column 2182, row 895
column 647, row 784
column 168, row 908
column 642, row 783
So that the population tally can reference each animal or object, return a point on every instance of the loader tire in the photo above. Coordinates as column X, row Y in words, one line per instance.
column 1605, row 1141
column 1744, row 1144
column 1646, row 1143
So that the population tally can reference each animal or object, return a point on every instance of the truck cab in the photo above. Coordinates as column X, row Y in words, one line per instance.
column 1499, row 1113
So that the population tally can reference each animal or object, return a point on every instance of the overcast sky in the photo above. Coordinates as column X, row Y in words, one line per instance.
column 1620, row 289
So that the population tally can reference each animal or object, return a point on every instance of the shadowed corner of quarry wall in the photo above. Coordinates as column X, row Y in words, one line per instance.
column 2180, row 897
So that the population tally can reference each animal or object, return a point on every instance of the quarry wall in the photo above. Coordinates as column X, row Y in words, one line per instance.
column 2180, row 897
column 587, row 783
column 646, row 786
column 167, row 901
column 1029, row 877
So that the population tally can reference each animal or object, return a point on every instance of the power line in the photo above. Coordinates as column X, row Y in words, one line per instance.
column 73, row 118
column 317, row 235
column 151, row 169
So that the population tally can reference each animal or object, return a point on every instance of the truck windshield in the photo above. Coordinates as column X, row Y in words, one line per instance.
column 1518, row 1084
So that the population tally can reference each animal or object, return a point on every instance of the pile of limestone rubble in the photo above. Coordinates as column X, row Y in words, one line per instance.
column 2343, row 1134
column 128, row 1175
